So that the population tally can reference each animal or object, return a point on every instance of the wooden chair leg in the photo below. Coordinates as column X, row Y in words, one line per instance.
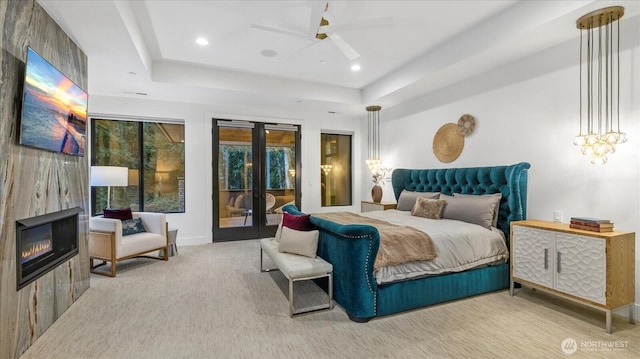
column 113, row 268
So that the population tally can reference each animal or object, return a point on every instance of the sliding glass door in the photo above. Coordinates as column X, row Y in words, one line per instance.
column 255, row 173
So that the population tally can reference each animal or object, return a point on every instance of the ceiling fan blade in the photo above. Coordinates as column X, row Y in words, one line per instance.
column 279, row 31
column 377, row 23
column 346, row 49
column 298, row 52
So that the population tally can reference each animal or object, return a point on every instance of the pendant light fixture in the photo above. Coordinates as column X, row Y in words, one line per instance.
column 600, row 83
column 373, row 159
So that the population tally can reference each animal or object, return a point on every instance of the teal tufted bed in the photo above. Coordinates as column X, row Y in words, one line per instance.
column 352, row 248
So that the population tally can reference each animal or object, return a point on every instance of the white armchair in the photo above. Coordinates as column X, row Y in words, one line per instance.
column 107, row 243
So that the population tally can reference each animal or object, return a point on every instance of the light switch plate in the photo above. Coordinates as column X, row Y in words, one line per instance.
column 557, row 216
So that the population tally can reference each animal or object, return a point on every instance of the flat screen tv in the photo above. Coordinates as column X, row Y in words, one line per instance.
column 54, row 109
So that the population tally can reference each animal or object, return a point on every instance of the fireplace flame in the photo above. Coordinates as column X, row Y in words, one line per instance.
column 35, row 249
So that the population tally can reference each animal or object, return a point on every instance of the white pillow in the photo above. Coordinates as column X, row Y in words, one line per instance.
column 304, row 243
column 278, row 234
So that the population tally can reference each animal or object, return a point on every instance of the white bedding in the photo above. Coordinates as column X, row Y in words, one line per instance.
column 460, row 246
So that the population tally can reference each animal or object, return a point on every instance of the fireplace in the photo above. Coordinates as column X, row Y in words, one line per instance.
column 44, row 242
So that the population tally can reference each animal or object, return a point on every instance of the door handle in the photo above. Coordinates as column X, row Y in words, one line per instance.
column 558, row 267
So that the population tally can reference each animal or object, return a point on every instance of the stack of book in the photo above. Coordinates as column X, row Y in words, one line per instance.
column 591, row 224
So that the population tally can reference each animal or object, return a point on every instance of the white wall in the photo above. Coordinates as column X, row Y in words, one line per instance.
column 194, row 226
column 528, row 111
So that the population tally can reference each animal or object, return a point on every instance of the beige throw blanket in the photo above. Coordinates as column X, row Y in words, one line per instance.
column 398, row 244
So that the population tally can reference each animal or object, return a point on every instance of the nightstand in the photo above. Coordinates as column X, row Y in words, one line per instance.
column 366, row 206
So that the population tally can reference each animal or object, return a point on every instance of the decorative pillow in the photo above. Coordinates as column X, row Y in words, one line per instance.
column 132, row 226
column 428, row 208
column 278, row 232
column 490, row 198
column 304, row 243
column 121, row 214
column 408, row 198
column 472, row 209
column 300, row 223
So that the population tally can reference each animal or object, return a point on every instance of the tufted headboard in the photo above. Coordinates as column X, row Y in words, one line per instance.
column 511, row 181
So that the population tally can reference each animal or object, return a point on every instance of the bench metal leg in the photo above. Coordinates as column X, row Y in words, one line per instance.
column 293, row 312
column 262, row 269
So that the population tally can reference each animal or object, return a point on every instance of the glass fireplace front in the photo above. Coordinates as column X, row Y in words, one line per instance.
column 44, row 242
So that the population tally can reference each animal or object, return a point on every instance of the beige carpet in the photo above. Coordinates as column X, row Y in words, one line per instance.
column 211, row 301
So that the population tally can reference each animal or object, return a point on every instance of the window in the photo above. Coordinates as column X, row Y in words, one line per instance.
column 154, row 154
column 335, row 164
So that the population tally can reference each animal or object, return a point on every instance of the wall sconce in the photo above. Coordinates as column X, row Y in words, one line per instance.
column 600, row 84
column 326, row 169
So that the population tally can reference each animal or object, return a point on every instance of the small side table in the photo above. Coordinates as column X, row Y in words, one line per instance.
column 172, row 234
column 366, row 206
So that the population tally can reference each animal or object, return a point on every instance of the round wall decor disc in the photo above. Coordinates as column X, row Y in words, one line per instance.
column 466, row 124
column 448, row 143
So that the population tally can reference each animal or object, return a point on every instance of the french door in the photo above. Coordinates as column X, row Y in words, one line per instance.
column 256, row 169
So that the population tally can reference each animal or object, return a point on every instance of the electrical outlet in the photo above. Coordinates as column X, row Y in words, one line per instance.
column 557, row 216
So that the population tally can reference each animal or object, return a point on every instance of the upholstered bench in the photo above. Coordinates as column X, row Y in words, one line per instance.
column 298, row 268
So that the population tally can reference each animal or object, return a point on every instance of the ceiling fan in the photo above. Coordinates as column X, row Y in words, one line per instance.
column 321, row 29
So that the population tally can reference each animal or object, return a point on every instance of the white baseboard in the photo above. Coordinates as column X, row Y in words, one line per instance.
column 192, row 241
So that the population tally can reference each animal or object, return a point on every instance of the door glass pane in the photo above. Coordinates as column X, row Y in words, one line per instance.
column 335, row 165
column 235, row 179
column 280, row 172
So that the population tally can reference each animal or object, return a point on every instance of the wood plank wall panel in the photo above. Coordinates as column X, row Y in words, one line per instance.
column 35, row 182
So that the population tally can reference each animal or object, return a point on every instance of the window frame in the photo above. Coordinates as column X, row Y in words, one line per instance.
column 140, row 152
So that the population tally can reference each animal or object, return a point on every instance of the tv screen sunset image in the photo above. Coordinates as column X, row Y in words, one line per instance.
column 54, row 109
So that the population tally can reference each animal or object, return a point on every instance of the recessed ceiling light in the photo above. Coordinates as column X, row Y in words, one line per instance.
column 132, row 73
column 323, row 62
column 202, row 41
column 355, row 67
column 268, row 53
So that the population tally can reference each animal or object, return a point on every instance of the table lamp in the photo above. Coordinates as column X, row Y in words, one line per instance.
column 109, row 176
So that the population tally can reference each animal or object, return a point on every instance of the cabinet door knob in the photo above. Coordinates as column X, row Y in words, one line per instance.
column 546, row 258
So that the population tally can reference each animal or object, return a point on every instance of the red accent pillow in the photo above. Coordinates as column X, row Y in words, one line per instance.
column 299, row 223
column 121, row 214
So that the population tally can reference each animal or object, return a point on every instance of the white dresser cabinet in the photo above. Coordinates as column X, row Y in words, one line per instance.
column 593, row 268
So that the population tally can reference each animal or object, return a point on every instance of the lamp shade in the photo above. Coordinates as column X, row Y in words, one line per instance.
column 109, row 176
